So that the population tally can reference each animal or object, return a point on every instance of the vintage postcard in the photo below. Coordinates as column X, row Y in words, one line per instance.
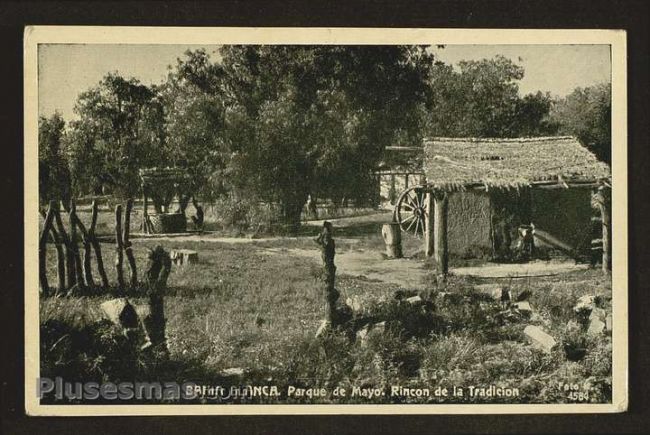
column 325, row 221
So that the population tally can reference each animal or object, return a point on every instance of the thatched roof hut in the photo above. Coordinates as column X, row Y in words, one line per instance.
column 457, row 163
column 501, row 185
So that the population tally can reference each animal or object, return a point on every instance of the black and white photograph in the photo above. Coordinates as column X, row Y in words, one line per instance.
column 244, row 221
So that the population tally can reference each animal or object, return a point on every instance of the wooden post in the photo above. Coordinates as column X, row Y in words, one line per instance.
column 598, row 200
column 69, row 255
column 392, row 234
column 96, row 246
column 72, row 215
column 429, row 247
column 60, row 256
column 606, row 239
column 158, row 269
column 145, row 213
column 441, row 252
column 127, row 244
column 327, row 245
column 119, row 258
column 42, row 250
column 87, row 266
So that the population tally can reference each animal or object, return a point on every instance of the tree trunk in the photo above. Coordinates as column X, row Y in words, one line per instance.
column 291, row 213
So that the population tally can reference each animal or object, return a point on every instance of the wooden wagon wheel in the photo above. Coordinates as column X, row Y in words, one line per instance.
column 411, row 211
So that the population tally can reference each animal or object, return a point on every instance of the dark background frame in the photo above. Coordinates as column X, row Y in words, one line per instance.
column 630, row 15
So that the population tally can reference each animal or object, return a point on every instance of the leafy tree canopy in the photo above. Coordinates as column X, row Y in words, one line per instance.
column 302, row 120
column 586, row 114
column 53, row 173
column 120, row 129
column 481, row 99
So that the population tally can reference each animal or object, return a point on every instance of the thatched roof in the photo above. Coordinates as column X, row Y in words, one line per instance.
column 149, row 175
column 455, row 163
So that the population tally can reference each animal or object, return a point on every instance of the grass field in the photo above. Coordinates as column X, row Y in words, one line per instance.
column 241, row 307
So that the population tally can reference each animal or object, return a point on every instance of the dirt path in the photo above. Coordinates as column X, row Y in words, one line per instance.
column 413, row 274
column 533, row 268
column 370, row 265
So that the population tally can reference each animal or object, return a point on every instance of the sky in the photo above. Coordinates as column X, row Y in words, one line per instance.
column 66, row 70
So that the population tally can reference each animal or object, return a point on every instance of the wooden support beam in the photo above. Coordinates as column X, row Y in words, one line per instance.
column 441, row 249
column 119, row 248
column 96, row 245
column 599, row 201
column 72, row 216
column 429, row 242
column 127, row 244
column 145, row 206
column 60, row 256
column 42, row 250
column 71, row 275
column 87, row 267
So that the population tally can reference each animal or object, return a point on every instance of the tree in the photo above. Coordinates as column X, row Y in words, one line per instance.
column 120, row 130
column 482, row 100
column 194, row 125
column 54, row 175
column 302, row 120
column 586, row 114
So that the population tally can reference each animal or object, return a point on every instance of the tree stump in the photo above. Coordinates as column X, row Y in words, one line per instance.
column 181, row 257
column 392, row 234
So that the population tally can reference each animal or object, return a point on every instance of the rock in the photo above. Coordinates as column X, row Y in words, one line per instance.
column 585, row 303
column 492, row 290
column 379, row 328
column 184, row 256
column 523, row 307
column 142, row 310
column 539, row 339
column 608, row 323
column 323, row 328
column 597, row 314
column 362, row 333
column 233, row 371
column 354, row 303
column 596, row 327
column 414, row 300
column 120, row 312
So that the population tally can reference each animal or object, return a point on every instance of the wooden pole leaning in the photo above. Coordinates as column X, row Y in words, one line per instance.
column 119, row 254
column 42, row 250
column 97, row 246
column 127, row 244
